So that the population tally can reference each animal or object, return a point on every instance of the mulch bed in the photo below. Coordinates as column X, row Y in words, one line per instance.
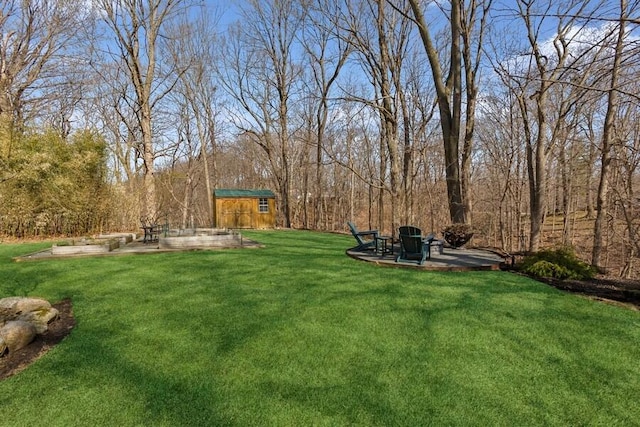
column 605, row 288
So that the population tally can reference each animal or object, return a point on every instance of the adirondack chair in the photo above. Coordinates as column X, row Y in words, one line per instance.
column 361, row 235
column 413, row 246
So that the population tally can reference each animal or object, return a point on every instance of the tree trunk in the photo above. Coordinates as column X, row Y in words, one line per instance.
column 591, row 213
column 450, row 111
column 319, row 188
column 607, row 138
column 186, row 200
column 285, row 192
column 150, row 208
column 538, row 187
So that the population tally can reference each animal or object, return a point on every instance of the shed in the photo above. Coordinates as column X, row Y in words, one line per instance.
column 244, row 208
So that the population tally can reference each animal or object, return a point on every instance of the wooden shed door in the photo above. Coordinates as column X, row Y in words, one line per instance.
column 236, row 213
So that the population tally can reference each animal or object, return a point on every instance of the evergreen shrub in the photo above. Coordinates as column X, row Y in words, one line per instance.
column 559, row 263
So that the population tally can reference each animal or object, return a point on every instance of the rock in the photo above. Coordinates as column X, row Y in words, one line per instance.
column 40, row 318
column 17, row 334
column 21, row 319
column 9, row 302
column 19, row 305
column 7, row 309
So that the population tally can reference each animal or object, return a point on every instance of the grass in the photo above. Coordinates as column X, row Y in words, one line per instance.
column 299, row 334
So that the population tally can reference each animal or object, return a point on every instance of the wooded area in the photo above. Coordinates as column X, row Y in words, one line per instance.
column 520, row 118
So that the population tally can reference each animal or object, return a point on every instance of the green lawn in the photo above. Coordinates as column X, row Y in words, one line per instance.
column 298, row 334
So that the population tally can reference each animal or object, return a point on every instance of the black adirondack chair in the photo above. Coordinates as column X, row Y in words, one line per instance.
column 413, row 246
column 366, row 239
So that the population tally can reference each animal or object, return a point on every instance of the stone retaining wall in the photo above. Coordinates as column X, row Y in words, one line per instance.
column 201, row 241
column 86, row 248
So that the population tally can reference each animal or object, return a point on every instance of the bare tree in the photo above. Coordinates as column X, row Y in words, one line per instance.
column 327, row 52
column 179, row 178
column 379, row 35
column 464, row 53
column 261, row 75
column 627, row 161
column 36, row 37
column 608, row 138
column 136, row 27
column 108, row 109
column 501, row 160
column 192, row 42
column 37, row 41
column 473, row 21
column 538, row 79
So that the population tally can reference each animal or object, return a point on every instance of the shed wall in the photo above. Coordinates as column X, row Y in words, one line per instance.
column 243, row 212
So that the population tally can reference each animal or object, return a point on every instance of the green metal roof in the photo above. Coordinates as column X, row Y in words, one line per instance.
column 227, row 192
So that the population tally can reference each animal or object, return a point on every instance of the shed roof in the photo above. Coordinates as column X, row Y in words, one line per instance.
column 227, row 192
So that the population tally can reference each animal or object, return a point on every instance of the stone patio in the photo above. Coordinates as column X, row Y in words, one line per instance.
column 460, row 259
column 137, row 246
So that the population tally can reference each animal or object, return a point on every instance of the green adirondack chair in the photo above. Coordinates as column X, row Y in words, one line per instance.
column 362, row 237
column 413, row 246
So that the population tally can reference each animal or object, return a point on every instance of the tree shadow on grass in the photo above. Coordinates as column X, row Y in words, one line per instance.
column 157, row 395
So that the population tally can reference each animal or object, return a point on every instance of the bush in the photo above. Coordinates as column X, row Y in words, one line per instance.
column 547, row 269
column 558, row 264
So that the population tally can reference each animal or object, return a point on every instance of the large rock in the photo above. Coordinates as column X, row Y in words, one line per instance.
column 40, row 318
column 21, row 319
column 19, row 305
column 17, row 334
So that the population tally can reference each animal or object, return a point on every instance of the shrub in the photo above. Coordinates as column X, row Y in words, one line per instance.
column 548, row 269
column 557, row 263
